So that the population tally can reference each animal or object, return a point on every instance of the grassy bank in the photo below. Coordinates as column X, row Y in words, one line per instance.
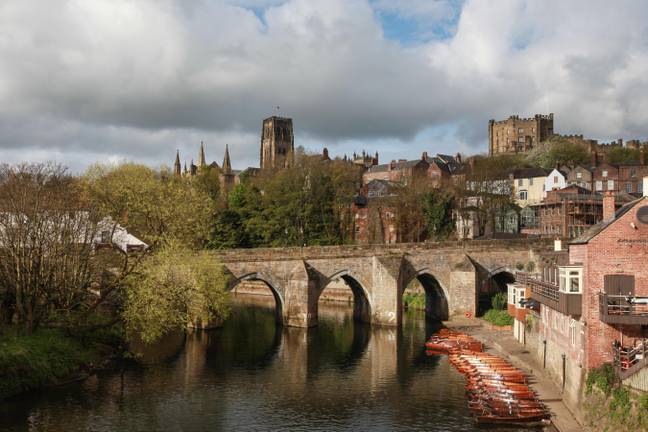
column 47, row 357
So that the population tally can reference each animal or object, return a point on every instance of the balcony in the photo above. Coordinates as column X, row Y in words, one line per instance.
column 630, row 360
column 616, row 309
column 550, row 295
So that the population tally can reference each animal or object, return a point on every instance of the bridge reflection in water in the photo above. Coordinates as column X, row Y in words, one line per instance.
column 256, row 375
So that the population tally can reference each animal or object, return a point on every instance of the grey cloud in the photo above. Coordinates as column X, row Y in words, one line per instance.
column 110, row 79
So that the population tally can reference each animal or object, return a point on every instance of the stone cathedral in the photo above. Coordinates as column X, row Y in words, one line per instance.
column 277, row 143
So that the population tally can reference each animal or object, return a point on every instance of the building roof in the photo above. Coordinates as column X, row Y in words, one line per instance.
column 530, row 173
column 399, row 165
column 599, row 227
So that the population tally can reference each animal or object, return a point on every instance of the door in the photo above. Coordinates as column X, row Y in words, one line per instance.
column 619, row 284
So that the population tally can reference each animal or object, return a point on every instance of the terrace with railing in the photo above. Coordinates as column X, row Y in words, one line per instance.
column 629, row 360
column 549, row 294
column 621, row 309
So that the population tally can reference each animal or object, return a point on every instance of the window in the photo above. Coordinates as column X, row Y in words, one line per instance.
column 511, row 294
column 640, row 187
column 629, row 187
column 573, row 332
column 520, row 130
column 555, row 179
column 521, row 140
column 520, row 182
column 105, row 237
column 599, row 185
column 570, row 279
column 610, row 185
column 604, row 173
column 633, row 172
column 531, row 181
column 579, row 175
column 522, row 195
column 519, row 295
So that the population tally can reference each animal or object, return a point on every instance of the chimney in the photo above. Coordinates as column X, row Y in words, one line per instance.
column 645, row 186
column 392, row 165
column 594, row 158
column 608, row 206
column 458, row 158
column 424, row 156
column 642, row 157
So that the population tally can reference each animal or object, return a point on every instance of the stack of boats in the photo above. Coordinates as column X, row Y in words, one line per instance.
column 497, row 391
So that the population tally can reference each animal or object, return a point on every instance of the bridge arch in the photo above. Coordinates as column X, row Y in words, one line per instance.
column 270, row 282
column 362, row 305
column 493, row 282
column 436, row 296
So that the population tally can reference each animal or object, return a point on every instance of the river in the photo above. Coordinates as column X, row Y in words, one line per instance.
column 253, row 375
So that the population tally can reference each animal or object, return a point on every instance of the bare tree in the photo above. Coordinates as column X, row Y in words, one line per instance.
column 47, row 232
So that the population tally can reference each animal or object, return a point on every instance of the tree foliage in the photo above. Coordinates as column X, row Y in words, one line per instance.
column 152, row 205
column 622, row 155
column 175, row 286
column 307, row 204
column 558, row 151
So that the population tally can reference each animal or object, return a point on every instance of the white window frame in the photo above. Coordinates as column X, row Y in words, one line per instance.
column 579, row 175
column 567, row 276
column 610, row 185
column 599, row 185
column 604, row 173
column 511, row 294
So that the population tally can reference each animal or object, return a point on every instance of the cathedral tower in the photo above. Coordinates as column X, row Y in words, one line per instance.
column 277, row 143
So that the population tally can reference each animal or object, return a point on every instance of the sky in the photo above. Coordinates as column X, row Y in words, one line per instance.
column 85, row 81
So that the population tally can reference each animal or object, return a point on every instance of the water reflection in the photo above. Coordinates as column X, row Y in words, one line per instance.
column 255, row 375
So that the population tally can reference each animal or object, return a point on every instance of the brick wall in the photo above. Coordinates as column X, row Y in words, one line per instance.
column 618, row 249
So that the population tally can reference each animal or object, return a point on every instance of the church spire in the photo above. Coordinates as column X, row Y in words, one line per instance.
column 227, row 164
column 176, row 165
column 201, row 161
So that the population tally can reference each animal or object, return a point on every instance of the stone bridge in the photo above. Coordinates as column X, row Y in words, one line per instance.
column 455, row 275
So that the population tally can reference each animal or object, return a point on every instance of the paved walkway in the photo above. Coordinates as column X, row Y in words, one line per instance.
column 504, row 344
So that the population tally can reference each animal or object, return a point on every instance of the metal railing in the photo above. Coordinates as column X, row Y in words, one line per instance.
column 619, row 305
column 629, row 360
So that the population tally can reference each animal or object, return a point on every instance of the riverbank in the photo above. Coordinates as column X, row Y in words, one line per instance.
column 504, row 344
column 50, row 357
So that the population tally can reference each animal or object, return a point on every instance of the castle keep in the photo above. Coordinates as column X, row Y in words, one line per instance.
column 518, row 135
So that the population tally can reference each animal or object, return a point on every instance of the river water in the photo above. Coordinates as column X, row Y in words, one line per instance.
column 253, row 375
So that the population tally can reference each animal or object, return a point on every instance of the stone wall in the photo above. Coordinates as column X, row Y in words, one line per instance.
column 548, row 352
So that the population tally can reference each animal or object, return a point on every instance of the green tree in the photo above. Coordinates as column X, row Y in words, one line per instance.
column 437, row 209
column 558, row 151
column 152, row 205
column 174, row 287
column 622, row 155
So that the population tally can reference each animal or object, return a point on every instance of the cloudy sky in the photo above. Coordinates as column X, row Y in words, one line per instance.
column 108, row 80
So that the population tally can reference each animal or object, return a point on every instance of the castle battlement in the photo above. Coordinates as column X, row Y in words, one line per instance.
column 522, row 119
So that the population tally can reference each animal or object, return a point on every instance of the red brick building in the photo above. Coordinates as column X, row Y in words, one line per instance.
column 612, row 260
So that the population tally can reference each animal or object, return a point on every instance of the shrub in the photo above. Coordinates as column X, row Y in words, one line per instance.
column 499, row 301
column 620, row 404
column 602, row 377
column 498, row 317
column 414, row 300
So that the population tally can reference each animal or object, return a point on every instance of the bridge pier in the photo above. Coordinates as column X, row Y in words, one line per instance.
column 301, row 297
